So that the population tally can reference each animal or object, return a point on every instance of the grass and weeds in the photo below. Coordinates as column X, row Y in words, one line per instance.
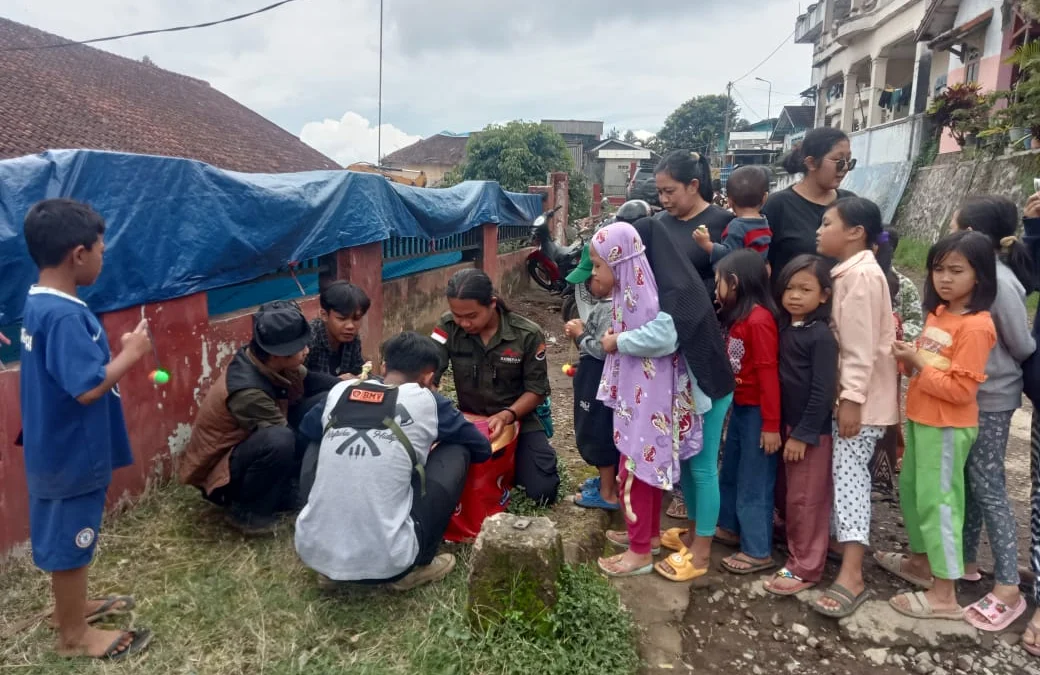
column 223, row 605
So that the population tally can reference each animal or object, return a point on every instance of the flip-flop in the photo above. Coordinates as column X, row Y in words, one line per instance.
column 1035, row 648
column 754, row 566
column 681, row 564
column 614, row 537
column 785, row 573
column 893, row 564
column 671, row 538
column 726, row 541
column 920, row 608
column 634, row 572
column 996, row 614
column 139, row 639
column 590, row 484
column 112, row 605
column 592, row 499
column 848, row 602
column 677, row 509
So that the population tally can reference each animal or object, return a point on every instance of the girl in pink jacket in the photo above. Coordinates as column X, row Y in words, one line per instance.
column 867, row 396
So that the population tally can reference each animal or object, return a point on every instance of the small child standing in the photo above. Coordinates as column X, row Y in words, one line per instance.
column 946, row 366
column 593, row 421
column 73, row 429
column 986, row 496
column 655, row 424
column 808, row 380
column 867, row 397
column 749, row 460
column 746, row 192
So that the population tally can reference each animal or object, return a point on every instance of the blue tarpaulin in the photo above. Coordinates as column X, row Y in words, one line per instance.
column 178, row 226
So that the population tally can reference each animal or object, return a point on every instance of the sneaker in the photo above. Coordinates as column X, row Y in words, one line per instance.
column 440, row 567
column 250, row 524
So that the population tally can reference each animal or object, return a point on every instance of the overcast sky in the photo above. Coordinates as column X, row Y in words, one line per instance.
column 312, row 66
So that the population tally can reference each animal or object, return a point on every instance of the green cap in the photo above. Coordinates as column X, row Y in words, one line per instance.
column 583, row 271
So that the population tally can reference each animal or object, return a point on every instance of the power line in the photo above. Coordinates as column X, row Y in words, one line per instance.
column 746, row 104
column 149, row 32
column 766, row 59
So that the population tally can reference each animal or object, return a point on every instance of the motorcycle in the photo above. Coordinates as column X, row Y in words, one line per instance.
column 548, row 264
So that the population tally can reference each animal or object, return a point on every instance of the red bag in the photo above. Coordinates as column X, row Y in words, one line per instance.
column 487, row 487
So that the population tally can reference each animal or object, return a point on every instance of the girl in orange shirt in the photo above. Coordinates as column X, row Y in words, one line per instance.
column 947, row 364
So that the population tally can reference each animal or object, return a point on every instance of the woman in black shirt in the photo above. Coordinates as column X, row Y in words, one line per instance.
column 794, row 214
column 686, row 194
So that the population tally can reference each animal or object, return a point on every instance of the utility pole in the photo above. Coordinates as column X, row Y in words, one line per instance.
column 729, row 122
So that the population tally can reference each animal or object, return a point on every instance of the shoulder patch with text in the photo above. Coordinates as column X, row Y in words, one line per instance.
column 540, row 354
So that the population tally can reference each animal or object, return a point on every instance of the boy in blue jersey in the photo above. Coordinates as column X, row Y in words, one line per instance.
column 73, row 430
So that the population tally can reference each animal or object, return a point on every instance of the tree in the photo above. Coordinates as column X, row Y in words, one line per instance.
column 630, row 137
column 520, row 154
column 613, row 134
column 696, row 124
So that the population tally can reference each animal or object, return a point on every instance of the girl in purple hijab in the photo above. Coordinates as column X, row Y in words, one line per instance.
column 647, row 385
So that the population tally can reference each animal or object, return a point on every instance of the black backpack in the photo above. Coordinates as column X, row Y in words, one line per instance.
column 367, row 406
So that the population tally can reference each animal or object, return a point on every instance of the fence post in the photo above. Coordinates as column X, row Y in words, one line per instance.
column 363, row 266
column 560, row 184
column 488, row 257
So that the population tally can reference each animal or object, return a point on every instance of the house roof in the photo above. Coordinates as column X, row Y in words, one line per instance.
column 81, row 97
column 616, row 142
column 439, row 149
column 793, row 118
column 939, row 17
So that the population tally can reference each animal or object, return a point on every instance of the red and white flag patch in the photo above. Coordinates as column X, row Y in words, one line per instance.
column 439, row 335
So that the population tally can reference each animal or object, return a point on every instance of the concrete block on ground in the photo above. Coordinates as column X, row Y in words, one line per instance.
column 516, row 564
column 877, row 623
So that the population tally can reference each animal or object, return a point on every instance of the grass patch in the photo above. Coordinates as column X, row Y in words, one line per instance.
column 223, row 605
column 521, row 505
column 912, row 254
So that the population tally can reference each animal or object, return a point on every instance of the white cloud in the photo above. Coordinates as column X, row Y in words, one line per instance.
column 352, row 138
column 643, row 134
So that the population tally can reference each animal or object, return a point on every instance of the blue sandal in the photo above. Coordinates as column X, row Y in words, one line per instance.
column 592, row 499
column 590, row 484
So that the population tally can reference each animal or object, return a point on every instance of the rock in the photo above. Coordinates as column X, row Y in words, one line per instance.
column 923, row 657
column 1011, row 638
column 965, row 662
column 812, row 642
column 583, row 532
column 924, row 668
column 778, row 636
column 910, row 651
column 749, row 656
column 516, row 563
column 800, row 630
column 897, row 660
column 757, row 671
column 939, row 671
column 748, row 614
column 717, row 596
column 877, row 656
column 877, row 623
column 776, row 620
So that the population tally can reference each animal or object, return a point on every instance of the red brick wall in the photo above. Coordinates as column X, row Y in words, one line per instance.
column 194, row 348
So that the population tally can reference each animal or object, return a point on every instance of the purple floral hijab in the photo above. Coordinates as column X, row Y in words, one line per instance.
column 654, row 422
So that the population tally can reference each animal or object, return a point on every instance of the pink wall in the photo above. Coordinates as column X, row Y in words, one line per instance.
column 989, row 78
column 195, row 347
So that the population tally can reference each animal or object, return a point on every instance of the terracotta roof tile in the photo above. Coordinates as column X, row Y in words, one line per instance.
column 438, row 149
column 82, row 97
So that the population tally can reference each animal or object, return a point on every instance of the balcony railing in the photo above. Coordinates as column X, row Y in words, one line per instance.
column 809, row 26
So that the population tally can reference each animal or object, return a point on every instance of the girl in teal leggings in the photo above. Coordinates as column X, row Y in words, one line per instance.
column 700, row 487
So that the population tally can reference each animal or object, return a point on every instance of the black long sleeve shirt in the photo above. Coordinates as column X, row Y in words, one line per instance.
column 808, row 379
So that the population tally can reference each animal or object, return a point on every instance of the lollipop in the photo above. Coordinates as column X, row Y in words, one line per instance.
column 159, row 376
column 569, row 370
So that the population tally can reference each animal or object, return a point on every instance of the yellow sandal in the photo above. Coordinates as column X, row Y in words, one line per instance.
column 681, row 564
column 671, row 538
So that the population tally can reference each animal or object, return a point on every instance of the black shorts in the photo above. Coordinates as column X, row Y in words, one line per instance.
column 593, row 421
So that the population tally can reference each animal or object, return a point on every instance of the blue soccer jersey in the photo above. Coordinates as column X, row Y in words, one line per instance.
column 70, row 448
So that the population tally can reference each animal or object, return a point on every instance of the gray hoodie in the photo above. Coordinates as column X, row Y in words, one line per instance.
column 1002, row 390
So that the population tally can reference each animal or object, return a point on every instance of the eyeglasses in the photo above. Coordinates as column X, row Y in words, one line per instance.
column 842, row 165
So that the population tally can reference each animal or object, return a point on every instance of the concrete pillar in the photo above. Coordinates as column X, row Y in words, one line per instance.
column 848, row 110
column 363, row 266
column 558, row 228
column 878, row 76
column 922, row 82
column 488, row 260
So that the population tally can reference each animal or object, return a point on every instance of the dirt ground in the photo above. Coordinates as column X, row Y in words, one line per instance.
column 726, row 623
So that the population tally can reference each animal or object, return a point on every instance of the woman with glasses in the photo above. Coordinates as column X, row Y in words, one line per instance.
column 823, row 158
